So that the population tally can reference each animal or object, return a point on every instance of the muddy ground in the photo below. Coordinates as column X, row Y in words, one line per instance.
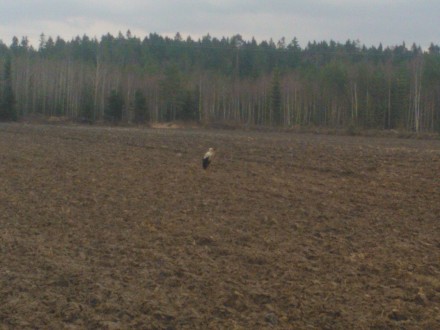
column 120, row 228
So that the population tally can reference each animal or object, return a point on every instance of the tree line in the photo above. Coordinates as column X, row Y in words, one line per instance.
column 229, row 80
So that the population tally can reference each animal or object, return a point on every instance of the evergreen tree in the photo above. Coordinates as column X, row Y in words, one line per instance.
column 7, row 102
column 115, row 106
column 87, row 114
column 140, row 107
column 190, row 106
column 401, row 98
column 172, row 92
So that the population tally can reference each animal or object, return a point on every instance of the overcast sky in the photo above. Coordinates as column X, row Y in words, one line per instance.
column 389, row 22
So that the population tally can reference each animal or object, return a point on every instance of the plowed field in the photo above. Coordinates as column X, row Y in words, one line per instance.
column 120, row 228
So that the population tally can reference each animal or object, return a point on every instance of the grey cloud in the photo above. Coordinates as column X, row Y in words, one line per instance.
column 373, row 21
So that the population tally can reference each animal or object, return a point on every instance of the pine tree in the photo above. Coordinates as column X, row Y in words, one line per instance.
column 190, row 106
column 7, row 102
column 115, row 106
column 172, row 92
column 140, row 107
column 87, row 114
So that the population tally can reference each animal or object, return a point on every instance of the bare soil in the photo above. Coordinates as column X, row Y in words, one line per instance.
column 120, row 228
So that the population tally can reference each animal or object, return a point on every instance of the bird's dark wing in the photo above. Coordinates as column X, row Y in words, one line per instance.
column 205, row 162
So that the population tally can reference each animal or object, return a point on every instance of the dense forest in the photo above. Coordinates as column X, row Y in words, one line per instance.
column 229, row 80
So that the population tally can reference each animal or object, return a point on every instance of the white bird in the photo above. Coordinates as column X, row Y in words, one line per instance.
column 208, row 158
